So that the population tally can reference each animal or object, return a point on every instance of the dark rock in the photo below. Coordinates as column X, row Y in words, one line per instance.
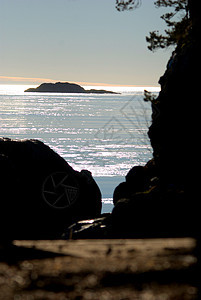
column 175, row 124
column 123, row 190
column 41, row 194
column 169, row 132
column 150, row 214
column 136, row 217
column 65, row 87
column 152, row 169
column 138, row 179
column 153, row 214
column 136, row 175
column 90, row 229
column 153, row 201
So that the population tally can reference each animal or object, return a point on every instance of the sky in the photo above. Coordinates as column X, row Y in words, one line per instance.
column 83, row 41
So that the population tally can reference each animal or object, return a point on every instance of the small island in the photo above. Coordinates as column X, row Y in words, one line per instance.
column 65, row 87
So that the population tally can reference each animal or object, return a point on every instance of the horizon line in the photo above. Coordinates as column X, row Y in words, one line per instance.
column 36, row 80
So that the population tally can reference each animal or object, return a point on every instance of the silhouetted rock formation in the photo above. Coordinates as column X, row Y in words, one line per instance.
column 153, row 202
column 137, row 180
column 142, row 210
column 174, row 128
column 40, row 192
column 65, row 87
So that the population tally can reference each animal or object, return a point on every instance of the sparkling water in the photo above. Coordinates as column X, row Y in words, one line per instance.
column 103, row 133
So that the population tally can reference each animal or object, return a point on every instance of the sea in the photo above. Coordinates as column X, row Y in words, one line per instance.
column 103, row 133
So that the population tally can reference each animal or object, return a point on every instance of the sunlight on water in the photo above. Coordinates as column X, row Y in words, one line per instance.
column 106, row 134
column 6, row 89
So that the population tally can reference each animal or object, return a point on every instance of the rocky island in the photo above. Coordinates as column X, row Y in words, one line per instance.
column 65, row 87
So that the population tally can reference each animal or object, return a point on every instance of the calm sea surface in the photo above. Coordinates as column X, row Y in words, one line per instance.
column 106, row 134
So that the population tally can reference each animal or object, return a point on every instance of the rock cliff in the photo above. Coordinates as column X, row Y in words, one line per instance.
column 154, row 200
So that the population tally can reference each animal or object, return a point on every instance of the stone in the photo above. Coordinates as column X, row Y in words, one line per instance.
column 40, row 192
column 154, row 214
column 98, row 228
column 123, row 190
column 137, row 180
column 149, row 214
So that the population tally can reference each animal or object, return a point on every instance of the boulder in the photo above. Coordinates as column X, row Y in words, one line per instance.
column 149, row 214
column 98, row 228
column 123, row 190
column 40, row 192
column 137, row 177
column 153, row 214
column 137, row 180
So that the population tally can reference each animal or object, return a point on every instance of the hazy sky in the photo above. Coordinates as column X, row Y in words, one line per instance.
column 78, row 41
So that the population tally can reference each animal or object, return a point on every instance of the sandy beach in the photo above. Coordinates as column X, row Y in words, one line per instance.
column 99, row 270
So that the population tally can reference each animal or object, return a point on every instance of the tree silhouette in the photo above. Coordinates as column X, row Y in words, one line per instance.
column 178, row 22
column 127, row 5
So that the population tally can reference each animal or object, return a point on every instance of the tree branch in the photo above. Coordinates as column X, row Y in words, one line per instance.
column 122, row 5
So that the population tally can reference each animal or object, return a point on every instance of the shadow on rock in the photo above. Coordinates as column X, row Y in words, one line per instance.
column 41, row 193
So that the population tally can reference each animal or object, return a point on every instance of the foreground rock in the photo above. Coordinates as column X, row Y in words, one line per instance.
column 142, row 210
column 172, row 136
column 40, row 192
column 145, row 215
column 65, row 87
column 138, row 179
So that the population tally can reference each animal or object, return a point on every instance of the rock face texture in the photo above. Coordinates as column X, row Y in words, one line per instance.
column 174, row 119
column 40, row 192
column 65, row 87
column 158, row 205
column 170, row 132
column 173, row 137
column 174, row 130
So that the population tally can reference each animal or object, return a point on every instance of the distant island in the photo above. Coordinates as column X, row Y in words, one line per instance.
column 65, row 87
